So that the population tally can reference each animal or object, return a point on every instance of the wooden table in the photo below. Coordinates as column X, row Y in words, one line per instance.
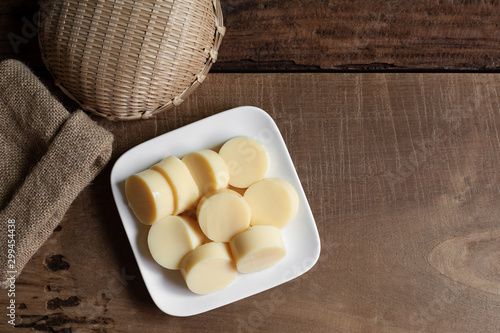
column 343, row 35
column 402, row 172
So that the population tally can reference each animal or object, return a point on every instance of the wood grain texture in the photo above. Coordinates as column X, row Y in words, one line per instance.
column 342, row 35
column 361, row 35
column 402, row 172
column 472, row 260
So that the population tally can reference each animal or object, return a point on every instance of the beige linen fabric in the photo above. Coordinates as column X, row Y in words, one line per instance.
column 47, row 156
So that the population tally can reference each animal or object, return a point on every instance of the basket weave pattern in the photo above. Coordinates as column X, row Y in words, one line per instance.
column 126, row 59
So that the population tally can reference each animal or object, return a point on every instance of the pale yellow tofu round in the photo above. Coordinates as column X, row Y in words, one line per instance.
column 273, row 201
column 172, row 237
column 223, row 214
column 149, row 196
column 257, row 248
column 185, row 190
column 208, row 268
column 247, row 161
column 208, row 169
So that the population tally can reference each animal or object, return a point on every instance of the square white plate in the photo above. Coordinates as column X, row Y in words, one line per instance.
column 166, row 287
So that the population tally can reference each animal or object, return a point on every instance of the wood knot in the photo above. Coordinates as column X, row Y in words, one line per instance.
column 472, row 260
column 56, row 303
column 56, row 263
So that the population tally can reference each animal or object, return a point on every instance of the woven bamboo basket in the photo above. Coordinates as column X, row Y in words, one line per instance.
column 128, row 59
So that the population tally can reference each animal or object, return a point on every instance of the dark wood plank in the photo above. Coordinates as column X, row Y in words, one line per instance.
column 366, row 35
column 402, row 173
column 342, row 35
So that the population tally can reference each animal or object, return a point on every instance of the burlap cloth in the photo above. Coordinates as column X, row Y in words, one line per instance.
column 47, row 156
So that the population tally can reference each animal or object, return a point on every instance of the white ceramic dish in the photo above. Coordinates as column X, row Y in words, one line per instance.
column 167, row 288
